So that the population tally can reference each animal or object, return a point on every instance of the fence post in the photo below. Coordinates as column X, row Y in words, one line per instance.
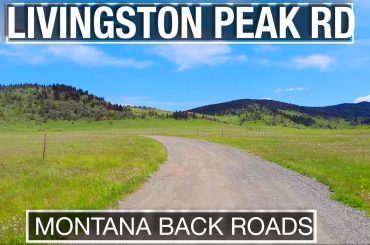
column 44, row 149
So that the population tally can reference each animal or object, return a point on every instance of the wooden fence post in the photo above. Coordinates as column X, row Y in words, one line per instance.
column 44, row 149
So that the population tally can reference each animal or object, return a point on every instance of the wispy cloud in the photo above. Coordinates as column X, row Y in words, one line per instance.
column 362, row 99
column 77, row 54
column 88, row 55
column 353, row 56
column 26, row 54
column 266, row 48
column 283, row 90
column 189, row 56
column 317, row 61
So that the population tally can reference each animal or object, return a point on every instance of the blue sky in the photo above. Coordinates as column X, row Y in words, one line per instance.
column 178, row 77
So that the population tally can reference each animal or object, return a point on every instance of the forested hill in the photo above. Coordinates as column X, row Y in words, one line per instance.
column 356, row 113
column 55, row 102
column 41, row 103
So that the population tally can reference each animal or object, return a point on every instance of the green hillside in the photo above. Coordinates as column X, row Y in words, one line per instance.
column 55, row 102
column 275, row 113
column 95, row 155
column 32, row 102
column 41, row 103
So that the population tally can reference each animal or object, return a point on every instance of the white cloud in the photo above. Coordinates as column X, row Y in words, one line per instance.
column 363, row 41
column 362, row 99
column 77, row 54
column 318, row 61
column 282, row 90
column 189, row 56
column 267, row 98
column 354, row 56
column 266, row 48
column 363, row 3
column 88, row 55
column 23, row 53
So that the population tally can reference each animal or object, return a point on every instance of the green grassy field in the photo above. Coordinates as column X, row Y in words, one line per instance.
column 338, row 158
column 130, row 126
column 82, row 170
column 92, row 165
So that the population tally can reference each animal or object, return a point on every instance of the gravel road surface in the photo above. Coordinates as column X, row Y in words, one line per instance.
column 203, row 175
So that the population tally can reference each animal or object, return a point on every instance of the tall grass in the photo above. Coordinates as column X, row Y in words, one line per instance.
column 82, row 170
column 338, row 158
column 91, row 165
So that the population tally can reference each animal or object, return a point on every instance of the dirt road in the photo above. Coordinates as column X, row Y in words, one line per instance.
column 203, row 175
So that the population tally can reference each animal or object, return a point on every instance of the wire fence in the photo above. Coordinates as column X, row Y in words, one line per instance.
column 212, row 132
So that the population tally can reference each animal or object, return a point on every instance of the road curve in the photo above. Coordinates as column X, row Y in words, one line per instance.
column 203, row 175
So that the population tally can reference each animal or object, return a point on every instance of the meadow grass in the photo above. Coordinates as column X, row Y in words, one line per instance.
column 338, row 158
column 92, row 165
column 82, row 170
column 130, row 126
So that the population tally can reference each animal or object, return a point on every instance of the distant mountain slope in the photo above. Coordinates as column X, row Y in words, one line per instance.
column 61, row 102
column 40, row 103
column 55, row 102
column 352, row 112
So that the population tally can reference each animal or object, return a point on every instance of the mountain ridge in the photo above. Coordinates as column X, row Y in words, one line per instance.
column 22, row 102
column 55, row 102
column 356, row 113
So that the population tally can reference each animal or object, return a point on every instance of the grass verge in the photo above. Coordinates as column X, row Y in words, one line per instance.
column 91, row 165
column 339, row 159
column 82, row 170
